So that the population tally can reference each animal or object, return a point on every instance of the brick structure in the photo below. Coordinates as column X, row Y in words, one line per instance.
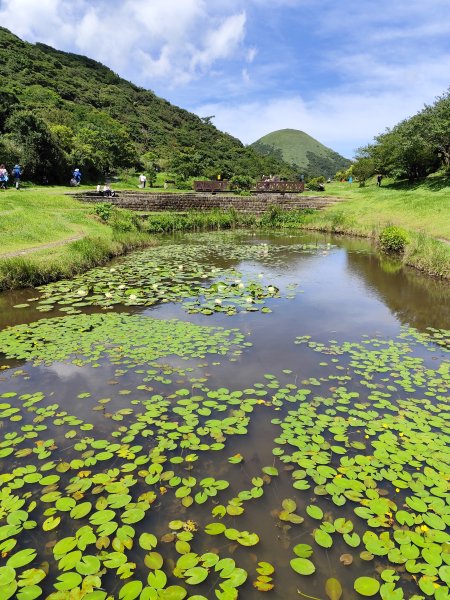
column 257, row 204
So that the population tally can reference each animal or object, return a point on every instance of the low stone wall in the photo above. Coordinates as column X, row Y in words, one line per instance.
column 255, row 204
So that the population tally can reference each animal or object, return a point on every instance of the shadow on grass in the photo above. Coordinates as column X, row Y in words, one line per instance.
column 433, row 184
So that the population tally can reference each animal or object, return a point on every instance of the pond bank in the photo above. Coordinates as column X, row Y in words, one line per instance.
column 41, row 221
column 23, row 270
column 427, row 254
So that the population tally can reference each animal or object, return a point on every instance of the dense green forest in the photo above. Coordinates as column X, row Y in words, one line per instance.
column 412, row 149
column 60, row 110
column 306, row 154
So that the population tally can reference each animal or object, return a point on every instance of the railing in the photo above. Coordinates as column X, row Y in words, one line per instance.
column 211, row 186
column 279, row 186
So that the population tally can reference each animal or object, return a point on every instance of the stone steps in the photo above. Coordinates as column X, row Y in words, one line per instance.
column 255, row 204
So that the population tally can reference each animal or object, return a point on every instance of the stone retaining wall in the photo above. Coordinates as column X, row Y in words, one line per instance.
column 255, row 204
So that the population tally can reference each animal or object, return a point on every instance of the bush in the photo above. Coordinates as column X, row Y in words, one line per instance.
column 103, row 210
column 393, row 239
column 125, row 220
column 240, row 183
column 183, row 184
column 317, row 184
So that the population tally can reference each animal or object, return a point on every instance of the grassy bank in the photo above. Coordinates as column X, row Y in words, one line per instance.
column 58, row 237
column 421, row 209
column 61, row 236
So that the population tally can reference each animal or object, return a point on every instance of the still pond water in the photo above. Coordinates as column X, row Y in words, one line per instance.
column 227, row 415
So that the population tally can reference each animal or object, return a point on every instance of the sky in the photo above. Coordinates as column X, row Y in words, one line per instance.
column 342, row 72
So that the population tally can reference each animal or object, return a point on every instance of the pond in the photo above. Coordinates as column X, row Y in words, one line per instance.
column 227, row 415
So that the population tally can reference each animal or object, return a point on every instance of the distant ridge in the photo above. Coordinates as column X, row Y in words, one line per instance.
column 300, row 149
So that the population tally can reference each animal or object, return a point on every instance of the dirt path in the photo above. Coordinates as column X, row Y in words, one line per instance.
column 41, row 247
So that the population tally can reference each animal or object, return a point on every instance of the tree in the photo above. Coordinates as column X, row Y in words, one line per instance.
column 186, row 163
column 363, row 168
column 39, row 151
column 99, row 151
column 437, row 127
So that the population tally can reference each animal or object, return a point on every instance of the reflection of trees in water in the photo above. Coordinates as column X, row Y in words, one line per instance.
column 414, row 298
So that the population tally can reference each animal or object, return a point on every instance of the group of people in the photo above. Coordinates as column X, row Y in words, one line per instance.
column 16, row 174
column 105, row 190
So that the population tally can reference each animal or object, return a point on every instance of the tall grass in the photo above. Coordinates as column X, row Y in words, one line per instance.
column 167, row 222
column 79, row 256
column 428, row 254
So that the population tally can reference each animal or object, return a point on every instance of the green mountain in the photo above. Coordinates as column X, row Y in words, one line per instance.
column 60, row 110
column 300, row 149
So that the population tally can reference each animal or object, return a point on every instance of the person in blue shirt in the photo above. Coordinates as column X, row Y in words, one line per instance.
column 77, row 176
column 17, row 173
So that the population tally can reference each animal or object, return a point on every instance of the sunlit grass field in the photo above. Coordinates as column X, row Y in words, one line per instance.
column 423, row 207
column 36, row 216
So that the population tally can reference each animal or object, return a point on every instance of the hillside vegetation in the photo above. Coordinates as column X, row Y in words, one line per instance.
column 303, row 152
column 414, row 148
column 60, row 110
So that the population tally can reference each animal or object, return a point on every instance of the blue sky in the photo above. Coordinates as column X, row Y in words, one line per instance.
column 340, row 71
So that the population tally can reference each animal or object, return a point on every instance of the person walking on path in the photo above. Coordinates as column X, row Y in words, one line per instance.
column 142, row 180
column 379, row 179
column 17, row 173
column 3, row 177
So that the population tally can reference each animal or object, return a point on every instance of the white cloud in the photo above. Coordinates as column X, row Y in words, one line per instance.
column 251, row 54
column 220, row 42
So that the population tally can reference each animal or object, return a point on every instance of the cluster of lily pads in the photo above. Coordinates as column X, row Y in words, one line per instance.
column 201, row 276
column 154, row 495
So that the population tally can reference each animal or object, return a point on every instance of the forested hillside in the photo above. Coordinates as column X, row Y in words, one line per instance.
column 306, row 154
column 59, row 110
column 412, row 149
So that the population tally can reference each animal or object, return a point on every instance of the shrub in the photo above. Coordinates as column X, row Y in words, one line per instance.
column 103, row 210
column 393, row 239
column 125, row 220
column 317, row 184
column 240, row 183
column 183, row 184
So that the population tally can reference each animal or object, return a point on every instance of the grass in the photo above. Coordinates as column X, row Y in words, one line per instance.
column 33, row 217
column 37, row 217
column 422, row 209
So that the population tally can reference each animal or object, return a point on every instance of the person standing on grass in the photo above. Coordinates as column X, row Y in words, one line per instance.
column 3, row 177
column 379, row 179
column 17, row 173
column 142, row 180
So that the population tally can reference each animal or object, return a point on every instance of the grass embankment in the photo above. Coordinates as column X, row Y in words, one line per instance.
column 45, row 218
column 45, row 236
column 421, row 209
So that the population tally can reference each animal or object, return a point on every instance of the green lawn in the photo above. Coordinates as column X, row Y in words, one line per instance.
column 37, row 216
column 32, row 217
column 423, row 207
